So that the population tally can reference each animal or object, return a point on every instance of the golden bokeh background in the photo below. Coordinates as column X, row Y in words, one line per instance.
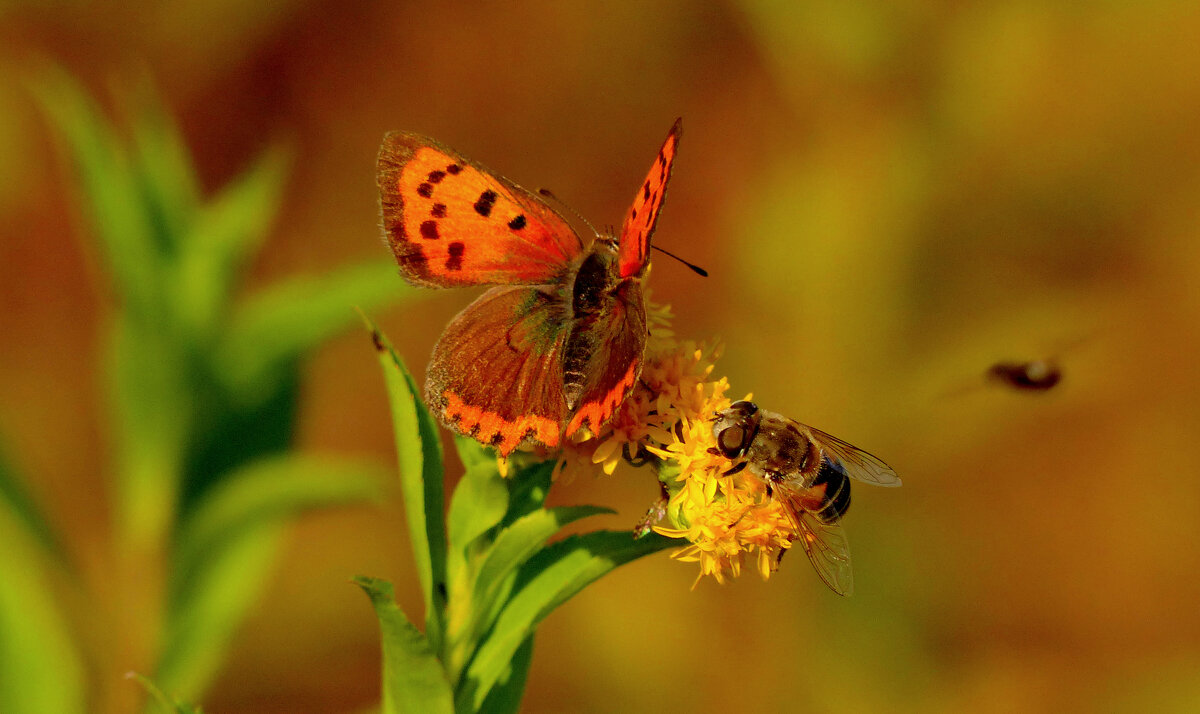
column 889, row 197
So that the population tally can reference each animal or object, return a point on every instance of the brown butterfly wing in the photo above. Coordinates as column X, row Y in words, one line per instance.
column 619, row 335
column 451, row 222
column 642, row 217
column 496, row 373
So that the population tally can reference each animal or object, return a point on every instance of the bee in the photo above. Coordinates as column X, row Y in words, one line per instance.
column 808, row 472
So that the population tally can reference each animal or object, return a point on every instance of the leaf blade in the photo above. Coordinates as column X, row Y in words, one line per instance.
column 413, row 679
column 277, row 326
column 224, row 551
column 549, row 579
column 41, row 669
column 419, row 455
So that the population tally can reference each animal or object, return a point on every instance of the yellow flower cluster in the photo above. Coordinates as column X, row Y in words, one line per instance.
column 727, row 518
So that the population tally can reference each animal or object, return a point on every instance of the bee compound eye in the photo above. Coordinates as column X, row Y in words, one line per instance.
column 730, row 440
column 743, row 408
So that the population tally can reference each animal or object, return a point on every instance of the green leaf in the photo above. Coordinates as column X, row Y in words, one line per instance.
column 479, row 503
column 110, row 189
column 513, row 547
column 41, row 671
column 162, row 167
column 546, row 581
column 413, row 680
column 152, row 398
column 471, row 453
column 223, row 554
column 26, row 512
column 419, row 453
column 528, row 489
column 274, row 328
column 201, row 625
column 271, row 489
column 505, row 697
column 165, row 703
column 224, row 233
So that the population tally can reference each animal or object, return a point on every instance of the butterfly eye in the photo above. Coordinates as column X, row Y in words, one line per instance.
column 730, row 441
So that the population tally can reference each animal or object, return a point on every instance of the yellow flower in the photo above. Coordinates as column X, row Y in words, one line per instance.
column 728, row 519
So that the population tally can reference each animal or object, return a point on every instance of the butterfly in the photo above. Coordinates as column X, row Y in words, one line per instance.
column 557, row 344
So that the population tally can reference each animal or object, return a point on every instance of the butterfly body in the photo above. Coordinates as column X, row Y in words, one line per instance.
column 557, row 345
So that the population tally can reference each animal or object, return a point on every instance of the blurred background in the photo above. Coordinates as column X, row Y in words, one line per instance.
column 889, row 198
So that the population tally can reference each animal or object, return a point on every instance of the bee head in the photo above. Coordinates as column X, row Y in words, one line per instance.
column 735, row 428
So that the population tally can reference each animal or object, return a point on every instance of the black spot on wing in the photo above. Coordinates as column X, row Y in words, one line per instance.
column 517, row 223
column 429, row 230
column 436, row 176
column 438, row 210
column 454, row 169
column 483, row 206
column 454, row 260
column 425, row 190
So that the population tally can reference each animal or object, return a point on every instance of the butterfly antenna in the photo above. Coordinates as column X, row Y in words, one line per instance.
column 569, row 209
column 699, row 271
column 612, row 231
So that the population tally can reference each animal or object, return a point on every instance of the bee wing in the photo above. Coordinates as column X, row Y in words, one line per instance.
column 857, row 463
column 825, row 545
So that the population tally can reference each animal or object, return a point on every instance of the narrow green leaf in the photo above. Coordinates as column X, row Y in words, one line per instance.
column 479, row 503
column 224, row 551
column 548, row 579
column 513, row 547
column 163, row 167
column 271, row 489
column 419, row 454
column 471, row 453
column 280, row 324
column 110, row 191
column 413, row 680
column 25, row 510
column 528, row 489
column 505, row 697
column 223, row 234
column 41, row 671
column 201, row 625
column 152, row 398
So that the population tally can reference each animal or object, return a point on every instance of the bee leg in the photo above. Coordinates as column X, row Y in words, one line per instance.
column 735, row 469
column 772, row 478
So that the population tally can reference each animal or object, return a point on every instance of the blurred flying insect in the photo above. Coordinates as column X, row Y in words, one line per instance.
column 808, row 472
column 1035, row 376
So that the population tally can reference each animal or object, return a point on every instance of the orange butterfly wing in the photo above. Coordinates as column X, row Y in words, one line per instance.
column 647, row 204
column 450, row 222
column 496, row 373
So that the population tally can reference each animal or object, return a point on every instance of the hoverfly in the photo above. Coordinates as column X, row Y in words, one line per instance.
column 1036, row 376
column 808, row 472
